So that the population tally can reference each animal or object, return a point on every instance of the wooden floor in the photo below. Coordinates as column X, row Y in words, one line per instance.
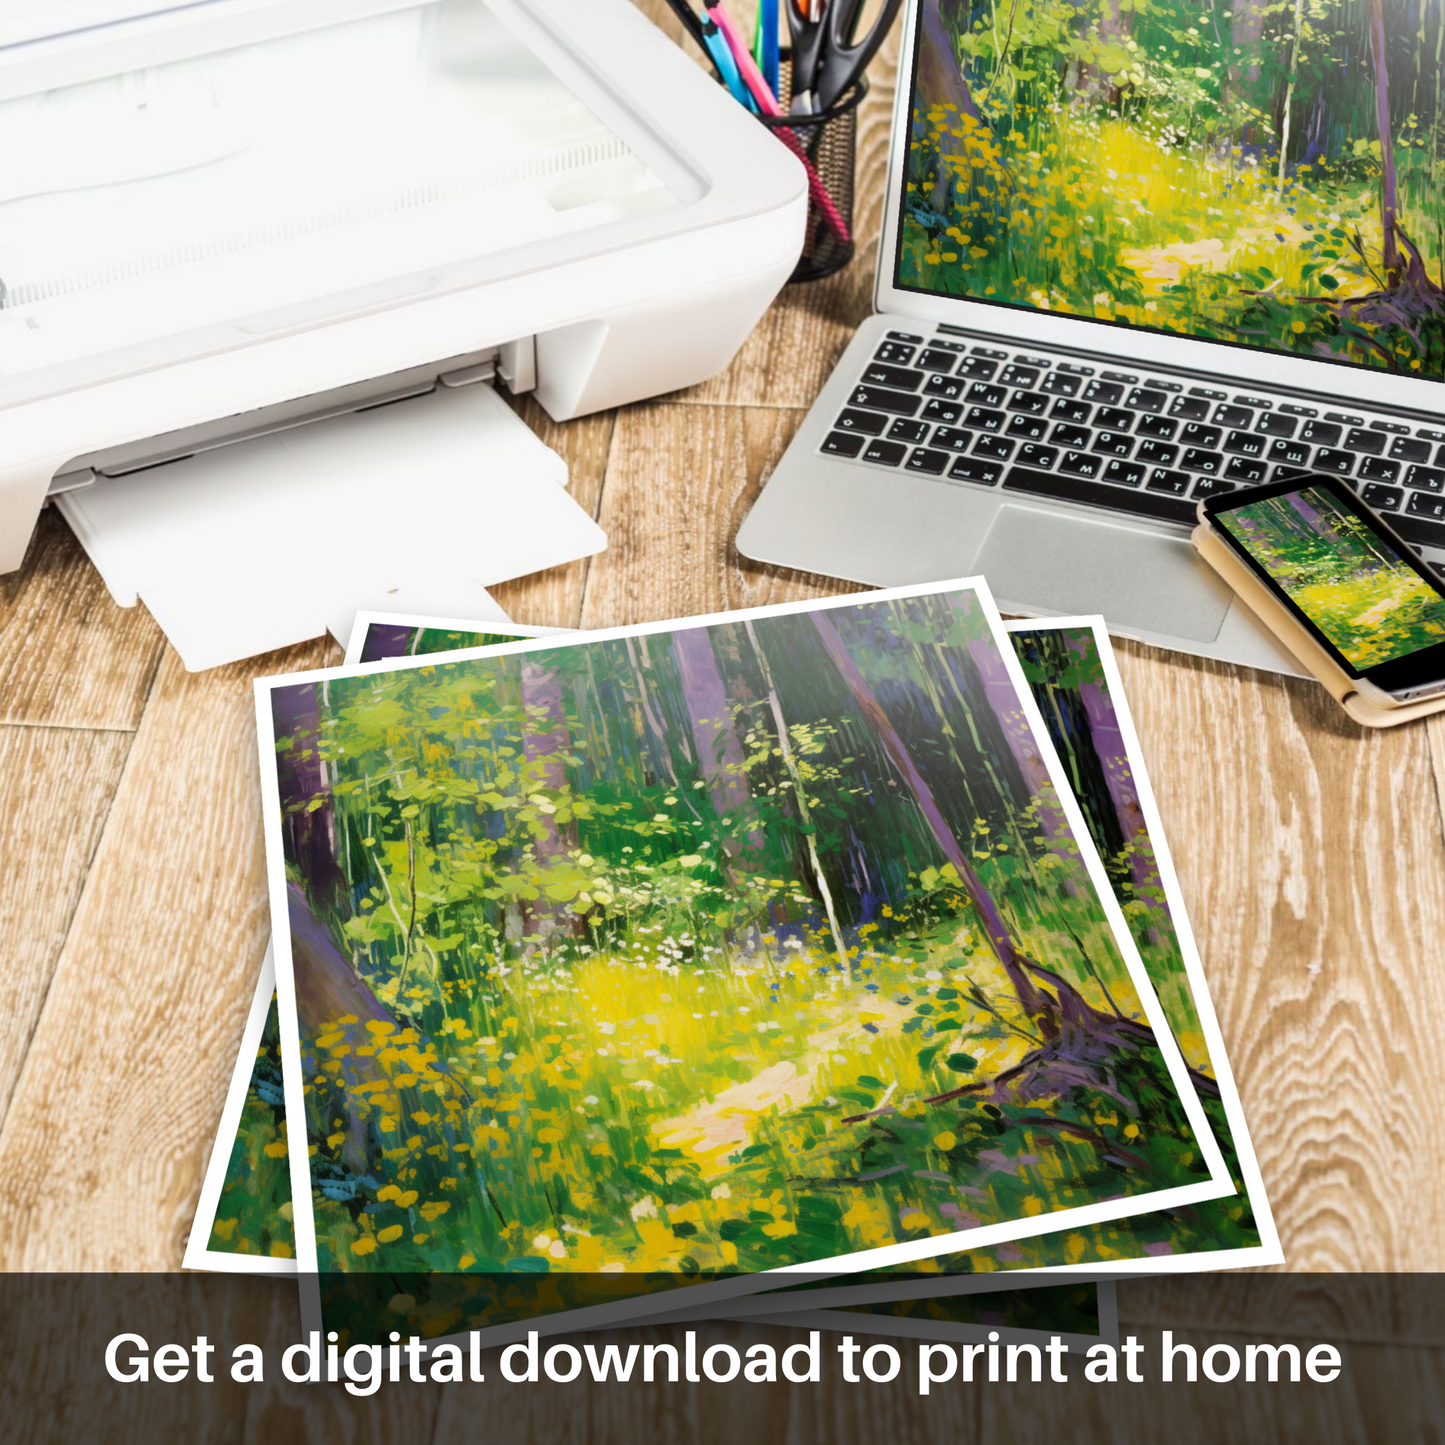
column 133, row 914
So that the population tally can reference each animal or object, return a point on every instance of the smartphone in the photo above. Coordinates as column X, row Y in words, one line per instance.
column 1339, row 570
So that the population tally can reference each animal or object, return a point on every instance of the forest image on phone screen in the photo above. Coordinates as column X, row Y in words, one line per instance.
column 1347, row 580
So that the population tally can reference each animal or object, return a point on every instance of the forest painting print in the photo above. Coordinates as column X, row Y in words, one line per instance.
column 705, row 950
column 1267, row 174
column 1354, row 587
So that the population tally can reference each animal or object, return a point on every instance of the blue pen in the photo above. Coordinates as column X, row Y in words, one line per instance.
column 767, row 56
column 727, row 67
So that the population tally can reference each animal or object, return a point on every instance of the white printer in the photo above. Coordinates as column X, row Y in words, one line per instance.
column 224, row 219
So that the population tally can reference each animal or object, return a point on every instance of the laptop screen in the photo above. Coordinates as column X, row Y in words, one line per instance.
column 1256, row 174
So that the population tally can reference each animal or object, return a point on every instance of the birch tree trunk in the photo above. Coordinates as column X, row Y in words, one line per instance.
column 547, row 742
column 305, row 786
column 1375, row 13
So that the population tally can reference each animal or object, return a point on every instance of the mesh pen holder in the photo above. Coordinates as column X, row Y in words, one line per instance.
column 827, row 145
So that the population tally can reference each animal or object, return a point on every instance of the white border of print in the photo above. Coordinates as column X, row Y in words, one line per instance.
column 198, row 1253
column 1218, row 1183
column 365, row 621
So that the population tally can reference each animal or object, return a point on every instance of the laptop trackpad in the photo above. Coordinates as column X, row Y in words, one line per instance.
column 1067, row 565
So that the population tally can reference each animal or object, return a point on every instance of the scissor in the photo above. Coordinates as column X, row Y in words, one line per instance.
column 827, row 55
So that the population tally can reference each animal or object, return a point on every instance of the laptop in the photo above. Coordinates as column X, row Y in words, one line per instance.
column 1089, row 316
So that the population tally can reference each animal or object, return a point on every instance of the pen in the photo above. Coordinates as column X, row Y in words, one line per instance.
column 765, row 42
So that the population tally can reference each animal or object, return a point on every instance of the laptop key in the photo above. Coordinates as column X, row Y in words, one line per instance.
column 935, row 409
column 1107, row 392
column 905, row 336
column 1381, row 498
column 978, row 368
column 1156, row 454
column 1113, row 444
column 1226, row 414
column 1196, row 459
column 1425, row 479
column 1243, row 469
column 1417, row 529
column 995, row 448
column 1143, row 398
column 1289, row 453
column 1195, row 435
column 982, row 419
column 932, row 359
column 1377, row 469
column 1274, row 425
column 1081, row 464
column 924, row 459
column 1124, row 474
column 1372, row 443
column 1034, row 456
column 1035, row 403
column 1329, row 459
column 1407, row 449
column 1189, row 408
column 972, row 469
column 1425, row 504
column 1100, row 494
column 1161, row 427
column 1031, row 428
column 1070, row 436
column 907, row 430
column 1113, row 418
column 895, row 353
column 1016, row 375
column 1060, row 383
column 1076, row 411
column 1162, row 479
column 878, row 398
column 948, row 387
column 1244, row 444
column 867, row 422
column 953, row 438
column 886, row 454
column 1213, row 486
column 986, row 395
column 1325, row 434
column 878, row 374
column 843, row 444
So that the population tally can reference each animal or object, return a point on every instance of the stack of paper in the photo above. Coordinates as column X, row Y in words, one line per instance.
column 417, row 505
column 674, row 965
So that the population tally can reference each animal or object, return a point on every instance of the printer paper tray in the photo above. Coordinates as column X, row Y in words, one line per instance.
column 415, row 506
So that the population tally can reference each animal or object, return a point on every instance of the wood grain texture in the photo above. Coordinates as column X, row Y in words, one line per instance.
column 1312, row 862
column 554, row 598
column 97, row 659
column 115, row 1108
column 679, row 482
column 56, row 786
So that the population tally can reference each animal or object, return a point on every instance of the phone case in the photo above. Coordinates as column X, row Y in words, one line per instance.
column 1338, row 683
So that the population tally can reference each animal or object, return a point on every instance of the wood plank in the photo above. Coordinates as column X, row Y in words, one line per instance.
column 69, row 657
column 1312, row 862
column 115, row 1109
column 554, row 598
column 679, row 482
column 56, row 786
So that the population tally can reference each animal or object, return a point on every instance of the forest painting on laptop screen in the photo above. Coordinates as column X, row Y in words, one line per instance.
column 1264, row 172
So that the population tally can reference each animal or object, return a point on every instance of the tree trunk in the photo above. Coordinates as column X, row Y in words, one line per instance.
column 1034, row 1002
column 719, row 749
column 800, row 795
column 547, row 741
column 305, row 786
column 1299, row 10
column 1093, row 82
column 1375, row 13
column 940, row 84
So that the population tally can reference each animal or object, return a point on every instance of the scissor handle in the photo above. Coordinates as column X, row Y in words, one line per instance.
column 843, row 59
column 809, row 37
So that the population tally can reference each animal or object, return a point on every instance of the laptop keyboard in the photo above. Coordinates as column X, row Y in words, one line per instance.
column 1139, row 443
